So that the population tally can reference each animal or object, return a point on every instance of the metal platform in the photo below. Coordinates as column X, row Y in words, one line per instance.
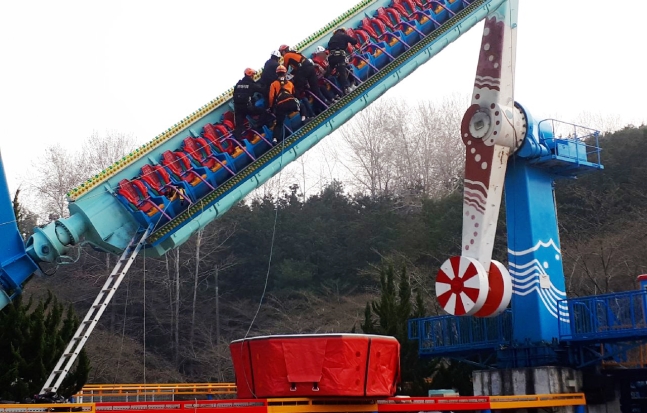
column 446, row 335
column 573, row 149
column 604, row 318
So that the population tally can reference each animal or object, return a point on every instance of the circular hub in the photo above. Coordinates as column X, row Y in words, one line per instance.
column 480, row 124
column 461, row 286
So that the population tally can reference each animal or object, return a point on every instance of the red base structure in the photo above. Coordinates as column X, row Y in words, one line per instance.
column 340, row 365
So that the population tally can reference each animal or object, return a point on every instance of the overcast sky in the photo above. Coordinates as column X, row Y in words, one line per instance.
column 69, row 68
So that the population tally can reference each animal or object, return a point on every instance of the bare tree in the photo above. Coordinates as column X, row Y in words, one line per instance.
column 60, row 170
column 100, row 151
column 603, row 123
column 372, row 138
column 409, row 152
column 440, row 160
column 57, row 171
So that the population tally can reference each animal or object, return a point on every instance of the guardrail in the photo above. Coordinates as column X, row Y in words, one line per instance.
column 608, row 317
column 447, row 334
column 151, row 392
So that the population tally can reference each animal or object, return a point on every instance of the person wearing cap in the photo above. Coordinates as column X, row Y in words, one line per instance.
column 269, row 73
column 243, row 104
column 338, row 45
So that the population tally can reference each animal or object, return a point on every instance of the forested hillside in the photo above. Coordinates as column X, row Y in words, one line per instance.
column 173, row 317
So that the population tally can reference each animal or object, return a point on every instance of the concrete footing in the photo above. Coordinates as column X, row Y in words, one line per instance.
column 535, row 380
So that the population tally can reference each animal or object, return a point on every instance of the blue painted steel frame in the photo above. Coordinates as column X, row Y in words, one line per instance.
column 607, row 317
column 447, row 335
column 15, row 265
column 534, row 256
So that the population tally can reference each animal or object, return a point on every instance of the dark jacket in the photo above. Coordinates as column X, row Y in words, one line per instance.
column 339, row 41
column 244, row 90
column 269, row 72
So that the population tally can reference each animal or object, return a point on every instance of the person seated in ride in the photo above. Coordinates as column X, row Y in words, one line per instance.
column 244, row 105
column 304, row 72
column 269, row 73
column 320, row 60
column 338, row 56
column 283, row 101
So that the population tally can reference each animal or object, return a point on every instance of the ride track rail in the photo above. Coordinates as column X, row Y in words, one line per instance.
column 326, row 116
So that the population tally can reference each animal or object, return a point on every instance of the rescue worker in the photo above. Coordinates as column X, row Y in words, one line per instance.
column 243, row 104
column 337, row 46
column 269, row 73
column 283, row 101
column 303, row 70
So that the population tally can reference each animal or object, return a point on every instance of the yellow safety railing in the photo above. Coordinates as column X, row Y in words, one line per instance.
column 535, row 401
column 136, row 392
column 58, row 407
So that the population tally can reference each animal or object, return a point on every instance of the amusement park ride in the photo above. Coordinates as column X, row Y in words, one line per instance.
column 155, row 198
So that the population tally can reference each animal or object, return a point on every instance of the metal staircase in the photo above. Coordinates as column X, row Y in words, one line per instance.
column 91, row 319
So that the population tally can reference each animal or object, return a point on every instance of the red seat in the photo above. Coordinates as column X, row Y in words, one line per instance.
column 156, row 177
column 179, row 164
column 379, row 26
column 228, row 119
column 229, row 124
column 407, row 7
column 135, row 192
column 215, row 133
column 389, row 16
column 359, row 34
column 159, row 179
column 368, row 28
column 199, row 150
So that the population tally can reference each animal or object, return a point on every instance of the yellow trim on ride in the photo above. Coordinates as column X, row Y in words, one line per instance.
column 537, row 400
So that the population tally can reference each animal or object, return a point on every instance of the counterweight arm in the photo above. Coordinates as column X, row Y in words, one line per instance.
column 492, row 130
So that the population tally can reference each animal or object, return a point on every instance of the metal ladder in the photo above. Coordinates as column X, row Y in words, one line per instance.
column 91, row 319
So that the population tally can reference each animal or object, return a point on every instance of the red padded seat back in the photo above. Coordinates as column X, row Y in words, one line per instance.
column 359, row 34
column 155, row 176
column 368, row 28
column 135, row 192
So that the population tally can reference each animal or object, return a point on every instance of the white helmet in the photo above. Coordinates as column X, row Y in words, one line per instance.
column 276, row 53
column 320, row 49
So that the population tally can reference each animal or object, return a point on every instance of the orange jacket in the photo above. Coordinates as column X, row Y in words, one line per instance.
column 293, row 59
column 275, row 88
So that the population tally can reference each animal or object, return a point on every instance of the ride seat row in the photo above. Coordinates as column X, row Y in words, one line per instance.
column 204, row 162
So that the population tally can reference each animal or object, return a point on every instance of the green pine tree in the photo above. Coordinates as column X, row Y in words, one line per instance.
column 392, row 311
column 389, row 316
column 31, row 342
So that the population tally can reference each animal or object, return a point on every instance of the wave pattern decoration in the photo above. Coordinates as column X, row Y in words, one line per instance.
column 530, row 276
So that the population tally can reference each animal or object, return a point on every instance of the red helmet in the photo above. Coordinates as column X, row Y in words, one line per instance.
column 281, row 69
column 284, row 48
column 250, row 72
